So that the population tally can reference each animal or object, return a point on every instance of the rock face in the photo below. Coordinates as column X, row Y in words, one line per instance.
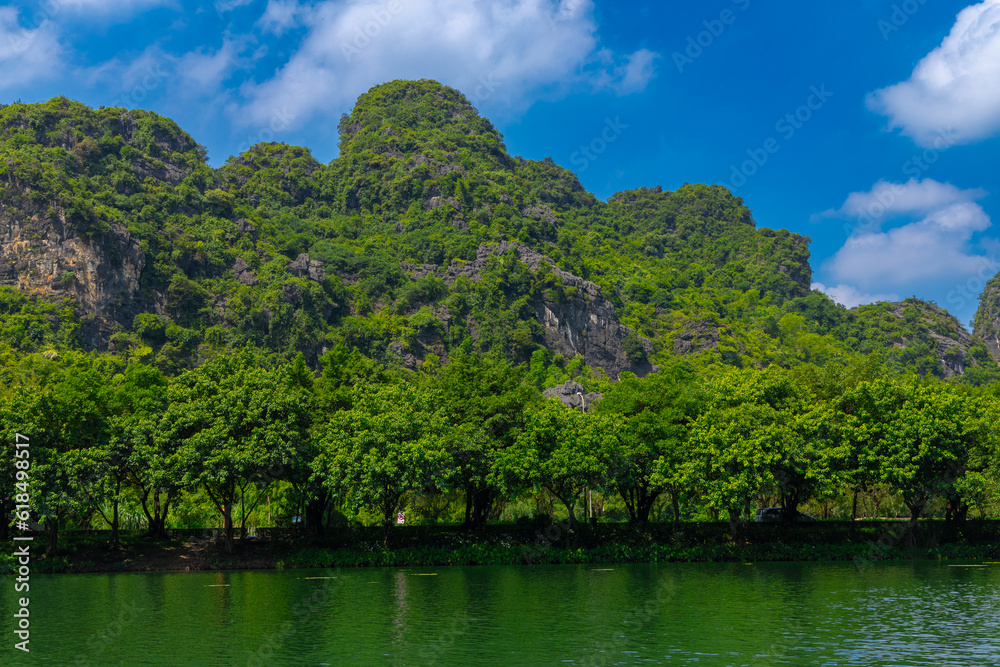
column 241, row 271
column 304, row 267
column 987, row 322
column 585, row 323
column 952, row 353
column 572, row 394
column 697, row 336
column 101, row 274
column 951, row 343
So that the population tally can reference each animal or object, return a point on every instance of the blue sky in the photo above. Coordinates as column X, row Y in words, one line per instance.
column 871, row 126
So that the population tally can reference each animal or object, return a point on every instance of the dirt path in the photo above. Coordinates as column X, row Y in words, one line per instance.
column 181, row 556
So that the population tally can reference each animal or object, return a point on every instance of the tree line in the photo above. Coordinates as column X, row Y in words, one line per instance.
column 360, row 438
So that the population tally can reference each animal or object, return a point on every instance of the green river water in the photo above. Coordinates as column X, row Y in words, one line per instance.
column 923, row 613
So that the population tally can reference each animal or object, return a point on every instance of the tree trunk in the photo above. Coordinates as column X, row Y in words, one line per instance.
column 227, row 522
column 315, row 509
column 677, row 509
column 790, row 507
column 388, row 515
column 243, row 515
column 877, row 498
column 854, row 507
column 52, row 527
column 161, row 520
column 645, row 505
column 737, row 527
column 570, row 504
column 957, row 510
column 468, row 507
column 482, row 503
column 157, row 519
column 114, row 524
column 627, row 498
column 115, row 544
column 915, row 506
column 962, row 511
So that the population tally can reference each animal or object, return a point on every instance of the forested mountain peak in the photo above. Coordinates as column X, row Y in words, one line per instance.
column 418, row 143
column 920, row 335
column 154, row 145
column 273, row 174
column 407, row 117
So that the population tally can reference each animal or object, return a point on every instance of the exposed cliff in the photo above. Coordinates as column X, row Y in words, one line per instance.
column 919, row 334
column 575, row 320
column 987, row 323
column 46, row 255
column 573, row 395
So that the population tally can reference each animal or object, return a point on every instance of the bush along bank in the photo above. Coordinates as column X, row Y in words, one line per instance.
column 553, row 544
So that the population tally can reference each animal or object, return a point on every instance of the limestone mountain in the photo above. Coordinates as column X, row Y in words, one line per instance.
column 986, row 324
column 71, row 183
column 919, row 335
column 422, row 236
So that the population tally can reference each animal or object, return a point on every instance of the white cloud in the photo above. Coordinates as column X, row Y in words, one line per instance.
column 933, row 247
column 507, row 52
column 954, row 90
column 195, row 76
column 850, row 297
column 887, row 200
column 37, row 47
column 223, row 6
column 632, row 75
column 27, row 55
column 205, row 69
column 281, row 16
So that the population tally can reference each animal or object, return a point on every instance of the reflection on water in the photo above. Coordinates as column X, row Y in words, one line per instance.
column 705, row 614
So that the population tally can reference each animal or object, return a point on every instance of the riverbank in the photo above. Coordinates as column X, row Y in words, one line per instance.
column 511, row 545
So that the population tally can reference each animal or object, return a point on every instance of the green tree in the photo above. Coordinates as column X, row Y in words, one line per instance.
column 486, row 400
column 138, row 397
column 73, row 427
column 233, row 423
column 927, row 452
column 865, row 414
column 104, row 465
column 646, row 454
column 558, row 451
column 743, row 439
column 389, row 442
column 18, row 415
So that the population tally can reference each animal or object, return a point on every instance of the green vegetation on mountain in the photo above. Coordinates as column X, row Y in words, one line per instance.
column 163, row 324
column 422, row 179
